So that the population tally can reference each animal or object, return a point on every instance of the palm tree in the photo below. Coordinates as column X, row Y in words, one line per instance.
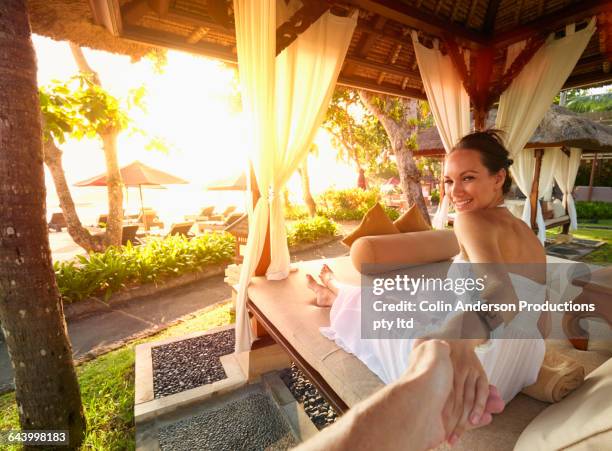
column 31, row 312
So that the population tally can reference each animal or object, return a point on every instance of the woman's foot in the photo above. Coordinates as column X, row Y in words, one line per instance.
column 325, row 296
column 328, row 278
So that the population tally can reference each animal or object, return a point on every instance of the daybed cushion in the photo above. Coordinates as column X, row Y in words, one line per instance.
column 290, row 306
column 582, row 421
column 412, row 221
column 374, row 222
column 404, row 249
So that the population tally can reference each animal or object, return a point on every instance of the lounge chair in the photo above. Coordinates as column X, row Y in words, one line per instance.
column 204, row 215
column 128, row 233
column 102, row 221
column 223, row 216
column 181, row 228
column 148, row 219
column 219, row 225
column 57, row 222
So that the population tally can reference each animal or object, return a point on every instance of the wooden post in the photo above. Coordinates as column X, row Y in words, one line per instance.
column 442, row 191
column 592, row 177
column 533, row 196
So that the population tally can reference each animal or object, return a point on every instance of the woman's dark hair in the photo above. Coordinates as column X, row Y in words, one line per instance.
column 493, row 154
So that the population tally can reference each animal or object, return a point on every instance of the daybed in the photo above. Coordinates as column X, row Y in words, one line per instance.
column 287, row 311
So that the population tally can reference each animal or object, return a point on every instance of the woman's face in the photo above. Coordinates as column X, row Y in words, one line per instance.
column 469, row 183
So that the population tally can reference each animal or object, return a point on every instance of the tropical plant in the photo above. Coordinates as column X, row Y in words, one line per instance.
column 350, row 204
column 104, row 273
column 593, row 211
column 357, row 135
column 310, row 230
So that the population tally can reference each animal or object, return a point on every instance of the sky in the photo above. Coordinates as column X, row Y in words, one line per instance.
column 188, row 106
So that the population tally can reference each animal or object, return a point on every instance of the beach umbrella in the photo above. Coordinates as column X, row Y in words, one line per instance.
column 236, row 182
column 138, row 175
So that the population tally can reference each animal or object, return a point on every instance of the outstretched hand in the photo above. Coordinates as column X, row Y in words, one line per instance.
column 472, row 401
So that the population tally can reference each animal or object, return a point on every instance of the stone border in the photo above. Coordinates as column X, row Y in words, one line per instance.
column 293, row 411
column 93, row 305
column 147, row 408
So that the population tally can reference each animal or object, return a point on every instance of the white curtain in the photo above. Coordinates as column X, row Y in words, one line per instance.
column 547, row 172
column 565, row 175
column 523, row 104
column 448, row 100
column 285, row 99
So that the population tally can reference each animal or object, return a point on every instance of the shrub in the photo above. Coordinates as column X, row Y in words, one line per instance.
column 593, row 210
column 311, row 229
column 103, row 273
column 347, row 204
column 296, row 212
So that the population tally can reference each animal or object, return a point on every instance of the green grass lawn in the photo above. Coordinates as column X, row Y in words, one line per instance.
column 107, row 387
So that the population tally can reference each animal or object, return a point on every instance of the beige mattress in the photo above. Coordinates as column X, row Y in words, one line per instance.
column 290, row 306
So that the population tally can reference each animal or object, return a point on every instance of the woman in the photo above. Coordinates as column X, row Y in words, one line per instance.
column 476, row 179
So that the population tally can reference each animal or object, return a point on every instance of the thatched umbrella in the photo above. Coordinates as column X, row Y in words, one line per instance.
column 559, row 127
column 72, row 20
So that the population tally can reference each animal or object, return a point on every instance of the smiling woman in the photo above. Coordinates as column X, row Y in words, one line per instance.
column 476, row 173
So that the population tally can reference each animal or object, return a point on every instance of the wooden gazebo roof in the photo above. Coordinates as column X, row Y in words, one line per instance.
column 559, row 127
column 380, row 57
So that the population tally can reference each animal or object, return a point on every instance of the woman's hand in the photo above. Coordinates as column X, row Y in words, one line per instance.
column 466, row 405
column 467, row 402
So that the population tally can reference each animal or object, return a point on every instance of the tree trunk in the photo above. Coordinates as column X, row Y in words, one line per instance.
column 361, row 179
column 31, row 312
column 114, row 186
column 401, row 134
column 307, row 195
column 80, row 235
column 113, row 175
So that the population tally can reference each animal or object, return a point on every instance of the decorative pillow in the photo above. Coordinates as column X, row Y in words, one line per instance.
column 581, row 421
column 558, row 209
column 412, row 221
column 374, row 222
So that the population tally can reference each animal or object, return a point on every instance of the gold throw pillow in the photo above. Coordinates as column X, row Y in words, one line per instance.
column 374, row 222
column 412, row 221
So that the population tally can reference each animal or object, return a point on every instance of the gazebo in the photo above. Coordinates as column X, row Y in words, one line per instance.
column 460, row 56
column 560, row 136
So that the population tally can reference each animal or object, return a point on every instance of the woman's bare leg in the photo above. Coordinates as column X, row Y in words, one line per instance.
column 325, row 296
column 329, row 279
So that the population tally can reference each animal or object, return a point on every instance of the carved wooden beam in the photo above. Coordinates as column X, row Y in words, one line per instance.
column 477, row 83
column 576, row 11
column 516, row 67
column 197, row 35
column 418, row 19
column 303, row 18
